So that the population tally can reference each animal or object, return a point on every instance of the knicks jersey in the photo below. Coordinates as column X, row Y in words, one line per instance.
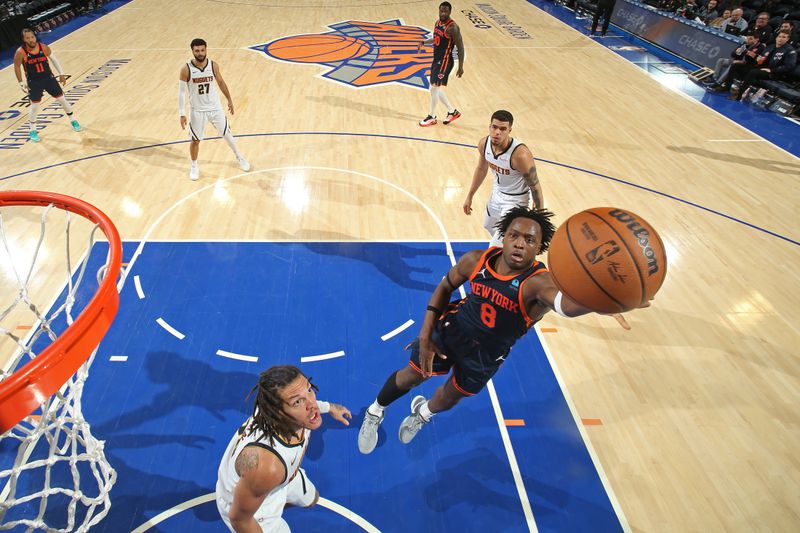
column 493, row 313
column 203, row 95
column 442, row 44
column 507, row 180
column 37, row 67
column 291, row 455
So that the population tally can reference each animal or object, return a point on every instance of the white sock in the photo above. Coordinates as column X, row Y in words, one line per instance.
column 231, row 142
column 376, row 409
column 194, row 163
column 67, row 108
column 434, row 99
column 445, row 101
column 32, row 112
column 425, row 412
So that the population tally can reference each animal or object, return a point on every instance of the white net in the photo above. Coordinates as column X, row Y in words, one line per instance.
column 54, row 475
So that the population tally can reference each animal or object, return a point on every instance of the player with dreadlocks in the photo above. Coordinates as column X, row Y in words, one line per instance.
column 510, row 292
column 260, row 472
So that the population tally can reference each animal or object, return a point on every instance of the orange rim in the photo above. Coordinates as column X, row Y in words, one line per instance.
column 30, row 386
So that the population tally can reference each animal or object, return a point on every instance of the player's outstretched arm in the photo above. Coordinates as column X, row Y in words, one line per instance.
column 223, row 87
column 522, row 159
column 543, row 289
column 259, row 472
column 478, row 176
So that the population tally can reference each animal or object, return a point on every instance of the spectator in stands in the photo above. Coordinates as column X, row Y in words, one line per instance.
column 719, row 21
column 787, row 25
column 605, row 8
column 763, row 29
column 689, row 10
column 735, row 25
column 742, row 60
column 669, row 5
column 776, row 63
column 709, row 12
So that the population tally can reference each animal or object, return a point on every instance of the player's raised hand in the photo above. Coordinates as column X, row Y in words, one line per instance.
column 427, row 351
column 230, row 106
column 62, row 79
column 340, row 413
column 183, row 122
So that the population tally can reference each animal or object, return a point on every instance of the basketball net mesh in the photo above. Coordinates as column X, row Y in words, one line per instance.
column 53, row 449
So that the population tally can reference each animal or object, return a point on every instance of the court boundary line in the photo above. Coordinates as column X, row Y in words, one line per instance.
column 211, row 496
column 604, row 479
column 515, row 472
column 437, row 141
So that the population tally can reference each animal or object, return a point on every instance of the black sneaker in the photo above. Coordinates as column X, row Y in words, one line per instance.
column 451, row 117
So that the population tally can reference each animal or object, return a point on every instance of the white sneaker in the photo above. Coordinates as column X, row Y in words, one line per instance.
column 243, row 164
column 368, row 434
column 413, row 423
column 194, row 173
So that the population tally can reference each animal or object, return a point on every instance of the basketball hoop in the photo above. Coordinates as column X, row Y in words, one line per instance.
column 42, row 384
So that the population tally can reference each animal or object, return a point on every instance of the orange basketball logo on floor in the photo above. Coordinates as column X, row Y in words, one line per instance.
column 360, row 54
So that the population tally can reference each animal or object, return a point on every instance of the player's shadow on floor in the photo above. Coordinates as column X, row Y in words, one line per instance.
column 770, row 165
column 181, row 383
column 359, row 106
column 394, row 260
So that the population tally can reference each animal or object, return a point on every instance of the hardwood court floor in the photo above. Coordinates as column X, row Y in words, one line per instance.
column 698, row 402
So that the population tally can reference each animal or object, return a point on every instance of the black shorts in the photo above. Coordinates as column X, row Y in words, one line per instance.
column 36, row 88
column 440, row 70
column 472, row 366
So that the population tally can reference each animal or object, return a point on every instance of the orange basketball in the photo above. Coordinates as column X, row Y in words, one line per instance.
column 324, row 48
column 607, row 259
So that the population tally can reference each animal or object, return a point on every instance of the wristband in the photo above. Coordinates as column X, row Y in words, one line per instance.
column 434, row 310
column 324, row 407
column 557, row 305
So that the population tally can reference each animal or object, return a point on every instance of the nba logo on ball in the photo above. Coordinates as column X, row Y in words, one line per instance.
column 607, row 259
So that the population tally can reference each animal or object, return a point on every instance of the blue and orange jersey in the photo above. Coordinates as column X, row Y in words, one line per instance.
column 442, row 44
column 494, row 313
column 36, row 64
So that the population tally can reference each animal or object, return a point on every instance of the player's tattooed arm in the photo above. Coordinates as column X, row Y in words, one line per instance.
column 247, row 460
column 532, row 179
column 523, row 159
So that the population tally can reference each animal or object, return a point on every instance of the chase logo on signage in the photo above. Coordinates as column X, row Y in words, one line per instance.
column 360, row 54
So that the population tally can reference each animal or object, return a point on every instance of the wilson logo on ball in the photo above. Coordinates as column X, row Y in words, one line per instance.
column 641, row 234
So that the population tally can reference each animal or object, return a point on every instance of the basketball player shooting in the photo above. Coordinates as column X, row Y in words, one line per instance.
column 260, row 471
column 446, row 33
column 471, row 338
column 37, row 58
column 200, row 77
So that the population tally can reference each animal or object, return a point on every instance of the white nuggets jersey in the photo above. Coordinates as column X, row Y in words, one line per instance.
column 507, row 180
column 290, row 455
column 203, row 94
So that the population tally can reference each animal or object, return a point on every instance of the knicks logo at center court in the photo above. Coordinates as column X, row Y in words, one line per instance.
column 360, row 54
